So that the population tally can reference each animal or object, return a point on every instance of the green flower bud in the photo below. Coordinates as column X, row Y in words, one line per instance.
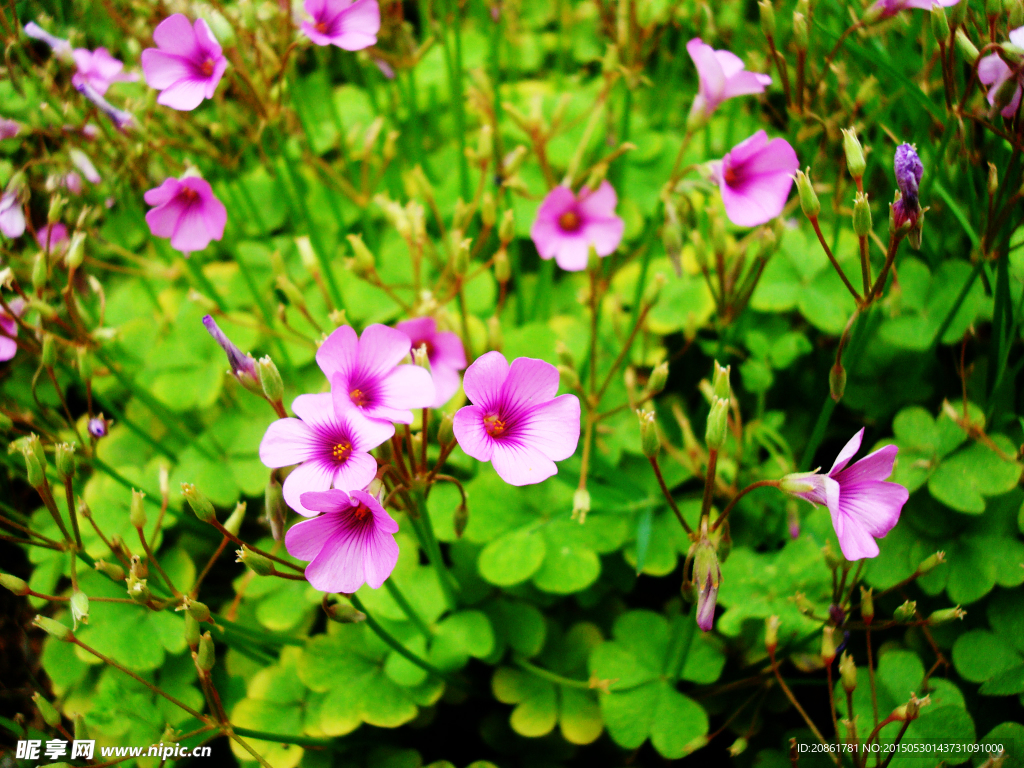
column 234, row 522
column 964, row 44
column 720, row 381
column 580, row 505
column 650, row 443
column 828, row 646
column 460, row 255
column 460, row 519
column 502, row 266
column 205, row 657
column 1016, row 14
column 291, row 291
column 808, row 197
column 110, row 570
column 75, row 254
column 993, row 180
column 13, row 583
column 738, row 747
column 80, row 732
column 138, row 590
column 848, row 672
column 930, row 563
column 837, row 381
column 568, row 377
column 485, row 141
column 64, row 459
column 905, row 612
column 940, row 24
column 658, row 378
column 34, row 469
column 771, row 633
column 445, row 430
column 946, row 615
column 79, row 608
column 718, row 422
column 48, row 355
column 507, row 227
column 191, row 631
column 363, row 262
column 495, row 339
column 767, row 18
column 957, row 14
column 270, row 379
column 307, row 254
column 488, row 209
column 867, row 604
column 197, row 610
column 40, row 272
column 57, row 203
column 50, row 715
column 855, row 162
column 257, row 563
column 199, row 503
column 54, row 628
column 861, row 215
column 801, row 35
column 343, row 612
column 137, row 511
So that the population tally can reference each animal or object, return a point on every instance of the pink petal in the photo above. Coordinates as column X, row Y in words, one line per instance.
column 381, row 348
column 848, row 452
column 332, row 501
column 558, row 201
column 604, row 234
column 356, row 473
column 529, row 384
column 758, row 199
column 311, row 475
column 449, row 351
column 519, row 464
column 730, row 63
column 163, row 194
column 12, row 220
column 220, row 65
column 554, row 427
column 306, row 538
column 310, row 31
column 287, row 442
column 470, row 433
column 408, row 386
column 340, row 565
column 381, row 519
column 483, row 380
column 1011, row 109
column 747, row 148
column 992, row 70
column 743, row 83
column 380, row 556
column 338, row 352
column 192, row 232
column 418, row 329
column 366, row 433
column 163, row 220
column 867, row 511
column 315, row 410
column 572, row 253
column 599, row 204
column 184, row 95
column 709, row 72
column 206, row 41
column 1016, row 35
column 546, row 235
column 8, row 348
column 175, row 35
column 876, row 466
column 446, row 384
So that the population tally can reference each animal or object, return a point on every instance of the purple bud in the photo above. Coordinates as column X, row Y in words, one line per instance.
column 908, row 174
column 120, row 118
column 243, row 367
column 98, row 427
column 707, row 596
column 58, row 45
column 707, row 575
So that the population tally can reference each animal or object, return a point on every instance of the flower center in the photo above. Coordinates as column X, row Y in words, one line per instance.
column 730, row 176
column 495, row 426
column 341, row 451
column 361, row 513
column 189, row 195
column 569, row 221
column 321, row 27
column 359, row 398
column 206, row 68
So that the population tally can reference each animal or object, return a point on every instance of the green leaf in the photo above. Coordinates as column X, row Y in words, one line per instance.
column 963, row 480
column 512, row 558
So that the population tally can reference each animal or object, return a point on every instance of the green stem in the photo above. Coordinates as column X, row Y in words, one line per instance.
column 282, row 738
column 421, row 522
column 683, row 630
column 407, row 608
column 551, row 677
column 396, row 646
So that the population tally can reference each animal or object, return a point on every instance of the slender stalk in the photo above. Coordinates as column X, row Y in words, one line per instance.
column 792, row 700
column 282, row 738
column 709, row 483
column 899, row 738
column 832, row 258
column 832, row 701
column 740, row 495
column 407, row 608
column 421, row 522
column 216, row 555
column 225, row 532
column 874, row 688
column 551, row 677
column 389, row 639
column 668, row 496
column 155, row 563
column 245, row 745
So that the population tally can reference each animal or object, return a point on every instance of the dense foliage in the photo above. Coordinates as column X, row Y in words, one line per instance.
column 576, row 182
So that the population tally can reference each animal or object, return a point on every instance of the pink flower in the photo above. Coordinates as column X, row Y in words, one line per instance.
column 12, row 215
column 445, row 352
column 722, row 76
column 994, row 72
column 567, row 226
column 82, row 162
column 186, row 65
column 352, row 543
column 516, row 422
column 348, row 25
column 755, row 179
column 72, row 182
column 99, row 69
column 365, row 374
column 8, row 128
column 863, row 506
column 884, row 9
column 186, row 211
column 53, row 238
column 9, row 329
column 331, row 448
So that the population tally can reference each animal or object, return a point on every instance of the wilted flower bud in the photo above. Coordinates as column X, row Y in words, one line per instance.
column 343, row 612
column 110, row 570
column 79, row 608
column 75, row 254
column 771, row 633
column 53, row 628
column 828, row 645
column 905, row 612
column 460, row 256
column 363, row 262
column 197, row 610
column 495, row 338
column 930, row 563
column 808, row 197
column 801, row 37
column 257, row 563
column 234, row 522
column 855, row 162
column 861, row 215
column 50, row 715
column 580, row 505
column 718, row 422
column 507, row 227
column 270, row 379
column 767, row 18
column 945, row 615
column 568, row 376
column 13, row 583
column 137, row 510
column 993, row 180
column 650, row 443
column 940, row 25
column 191, row 631
column 707, row 576
column 445, row 430
column 502, row 266
column 243, row 367
column 199, row 503
column 205, row 656
column 837, row 381
column 964, row 44
column 848, row 671
column 658, row 378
